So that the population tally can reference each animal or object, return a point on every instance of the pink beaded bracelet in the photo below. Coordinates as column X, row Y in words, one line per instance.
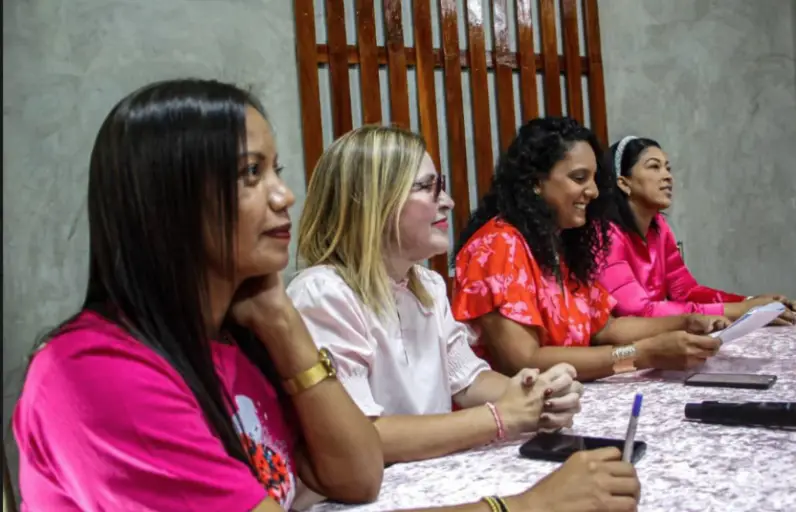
column 501, row 431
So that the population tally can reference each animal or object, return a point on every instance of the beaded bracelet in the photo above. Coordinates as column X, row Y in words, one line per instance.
column 496, row 503
column 492, row 502
column 501, row 430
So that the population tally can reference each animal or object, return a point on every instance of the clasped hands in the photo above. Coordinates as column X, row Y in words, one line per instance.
column 536, row 400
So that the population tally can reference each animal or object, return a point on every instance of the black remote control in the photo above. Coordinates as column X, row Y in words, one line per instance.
column 766, row 414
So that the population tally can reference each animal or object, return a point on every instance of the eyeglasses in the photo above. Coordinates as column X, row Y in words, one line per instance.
column 435, row 185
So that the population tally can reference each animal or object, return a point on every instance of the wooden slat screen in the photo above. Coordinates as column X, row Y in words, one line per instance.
column 508, row 57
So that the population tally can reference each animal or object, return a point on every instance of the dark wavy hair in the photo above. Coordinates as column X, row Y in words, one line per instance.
column 539, row 145
column 620, row 213
column 164, row 172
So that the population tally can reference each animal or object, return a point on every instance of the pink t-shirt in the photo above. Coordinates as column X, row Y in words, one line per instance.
column 106, row 424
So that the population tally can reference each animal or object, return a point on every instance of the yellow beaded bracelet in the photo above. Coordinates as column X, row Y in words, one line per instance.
column 496, row 503
column 493, row 505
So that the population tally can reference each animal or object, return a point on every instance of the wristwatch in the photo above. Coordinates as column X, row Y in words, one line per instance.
column 320, row 371
column 624, row 358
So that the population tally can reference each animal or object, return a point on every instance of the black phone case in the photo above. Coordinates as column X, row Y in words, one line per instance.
column 754, row 382
column 559, row 447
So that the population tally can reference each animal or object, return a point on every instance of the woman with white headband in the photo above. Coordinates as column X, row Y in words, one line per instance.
column 644, row 271
column 527, row 262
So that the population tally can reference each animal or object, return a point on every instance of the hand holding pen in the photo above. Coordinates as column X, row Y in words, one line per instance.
column 594, row 481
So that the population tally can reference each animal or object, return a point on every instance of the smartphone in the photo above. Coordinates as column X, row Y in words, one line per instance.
column 558, row 447
column 731, row 380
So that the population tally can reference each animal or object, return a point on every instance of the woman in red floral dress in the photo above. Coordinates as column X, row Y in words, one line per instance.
column 526, row 266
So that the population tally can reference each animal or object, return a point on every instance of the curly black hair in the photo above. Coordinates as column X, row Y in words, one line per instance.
column 539, row 145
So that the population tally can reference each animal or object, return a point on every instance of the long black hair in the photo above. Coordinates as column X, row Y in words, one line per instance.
column 620, row 213
column 539, row 145
column 162, row 182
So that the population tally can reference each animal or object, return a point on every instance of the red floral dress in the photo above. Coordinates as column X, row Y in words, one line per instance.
column 495, row 271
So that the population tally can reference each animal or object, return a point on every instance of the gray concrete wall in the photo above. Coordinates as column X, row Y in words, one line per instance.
column 714, row 81
column 65, row 64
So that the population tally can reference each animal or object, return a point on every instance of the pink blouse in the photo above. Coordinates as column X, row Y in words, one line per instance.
column 652, row 280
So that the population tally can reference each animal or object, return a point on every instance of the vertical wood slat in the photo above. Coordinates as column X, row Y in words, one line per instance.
column 309, row 90
column 599, row 118
column 338, row 67
column 426, row 90
column 569, row 22
column 427, row 96
column 369, row 87
column 527, row 61
column 396, row 63
column 552, row 72
column 504, row 75
column 479, row 92
column 457, row 150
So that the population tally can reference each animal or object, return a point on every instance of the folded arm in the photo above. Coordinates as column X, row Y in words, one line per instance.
column 515, row 346
column 487, row 387
column 628, row 329
column 410, row 438
column 343, row 459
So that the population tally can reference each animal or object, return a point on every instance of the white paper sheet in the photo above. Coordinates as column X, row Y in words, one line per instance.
column 754, row 319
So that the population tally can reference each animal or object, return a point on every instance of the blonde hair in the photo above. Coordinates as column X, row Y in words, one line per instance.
column 354, row 199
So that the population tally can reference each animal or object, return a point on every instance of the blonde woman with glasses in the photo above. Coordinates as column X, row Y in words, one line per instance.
column 376, row 208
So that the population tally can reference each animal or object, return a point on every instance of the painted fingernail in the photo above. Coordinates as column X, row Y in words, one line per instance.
column 548, row 404
column 548, row 392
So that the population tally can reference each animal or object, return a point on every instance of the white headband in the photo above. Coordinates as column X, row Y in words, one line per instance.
column 620, row 148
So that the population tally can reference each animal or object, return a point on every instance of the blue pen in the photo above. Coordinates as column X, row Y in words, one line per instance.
column 630, row 437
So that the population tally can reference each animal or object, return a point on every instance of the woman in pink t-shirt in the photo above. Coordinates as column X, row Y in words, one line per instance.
column 644, row 270
column 188, row 380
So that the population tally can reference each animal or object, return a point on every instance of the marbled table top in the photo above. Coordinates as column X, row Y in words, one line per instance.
column 687, row 466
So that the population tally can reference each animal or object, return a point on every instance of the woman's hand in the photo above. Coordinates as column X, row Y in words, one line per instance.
column 563, row 399
column 589, row 481
column 736, row 310
column 533, row 401
column 677, row 350
column 521, row 404
column 788, row 317
column 790, row 304
column 262, row 306
column 706, row 324
column 259, row 301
